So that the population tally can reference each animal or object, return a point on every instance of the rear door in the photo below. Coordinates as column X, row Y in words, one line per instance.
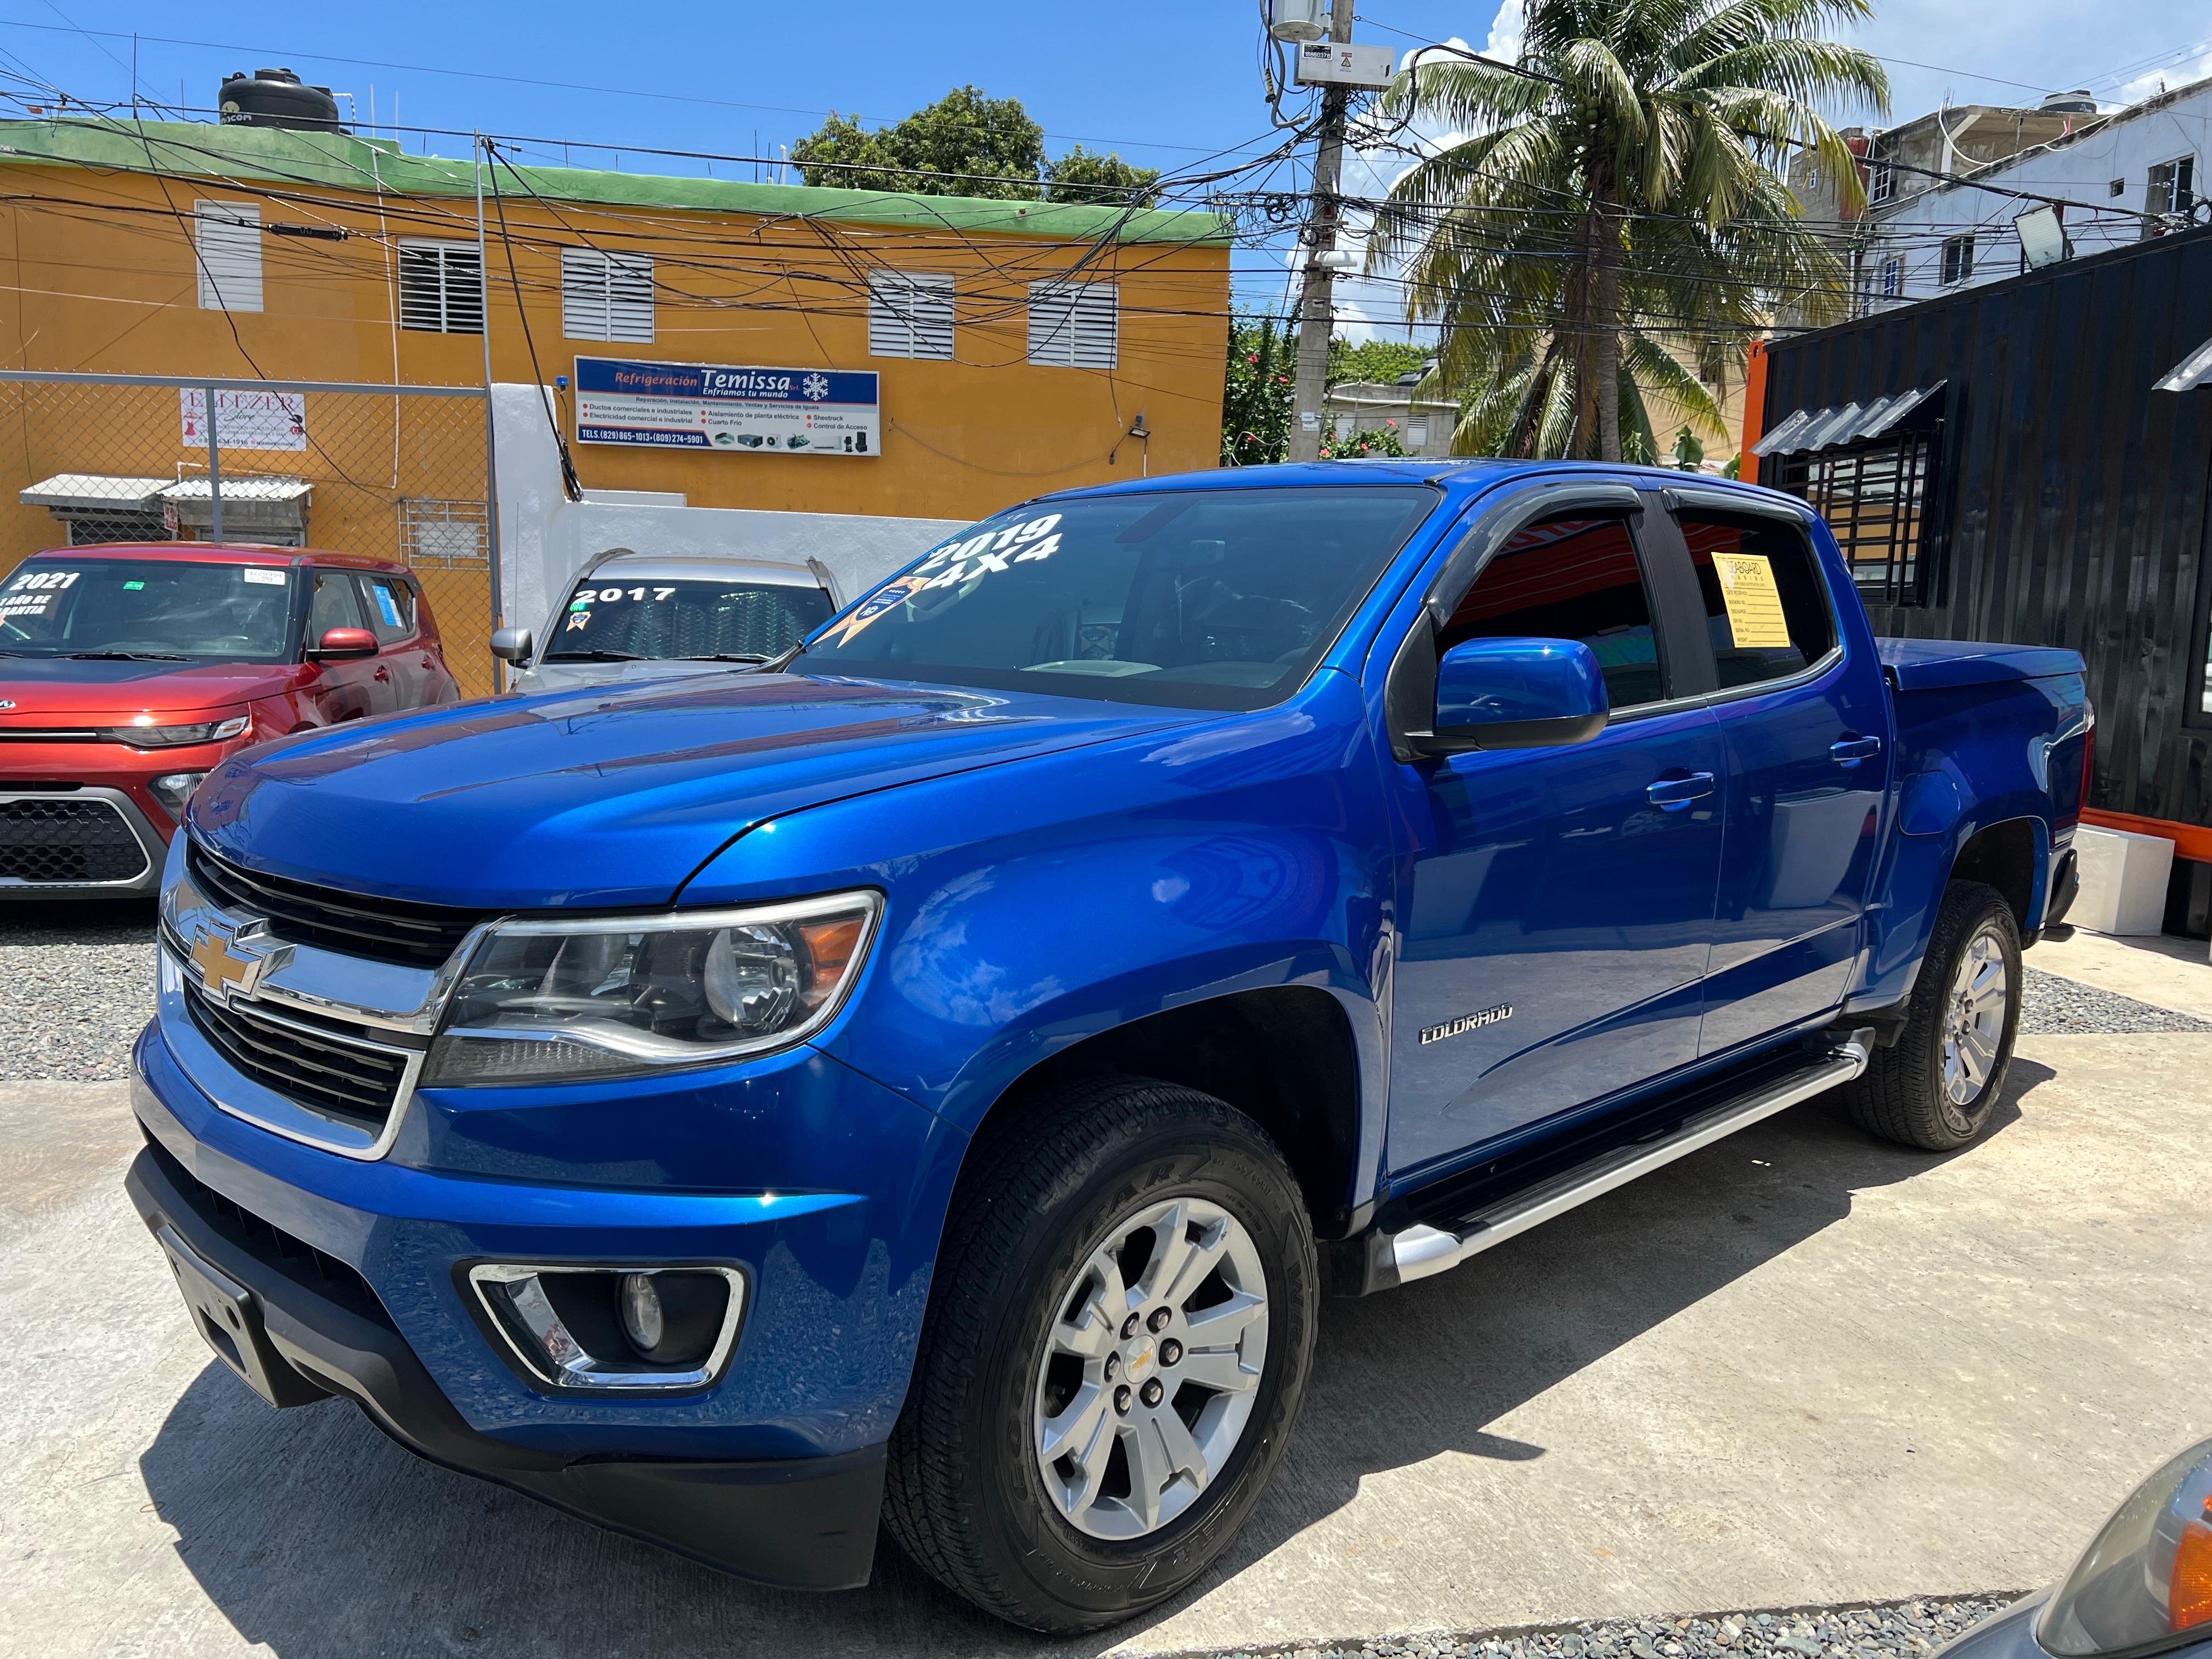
column 1555, row 917
column 1803, row 721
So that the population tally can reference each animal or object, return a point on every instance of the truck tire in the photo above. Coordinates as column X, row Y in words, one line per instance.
column 1934, row 1088
column 1124, row 1305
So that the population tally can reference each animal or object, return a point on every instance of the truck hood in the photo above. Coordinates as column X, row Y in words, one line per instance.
column 610, row 797
column 59, row 685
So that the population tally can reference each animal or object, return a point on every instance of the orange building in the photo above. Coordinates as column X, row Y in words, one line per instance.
column 1018, row 346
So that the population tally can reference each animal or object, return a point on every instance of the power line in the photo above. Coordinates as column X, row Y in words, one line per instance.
column 95, row 35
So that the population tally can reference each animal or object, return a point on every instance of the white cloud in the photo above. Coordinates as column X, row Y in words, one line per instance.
column 2153, row 81
column 1506, row 31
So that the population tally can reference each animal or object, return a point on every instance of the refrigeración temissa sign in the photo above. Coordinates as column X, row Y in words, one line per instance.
column 788, row 412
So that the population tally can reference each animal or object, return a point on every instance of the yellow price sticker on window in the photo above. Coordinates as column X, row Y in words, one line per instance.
column 1754, row 604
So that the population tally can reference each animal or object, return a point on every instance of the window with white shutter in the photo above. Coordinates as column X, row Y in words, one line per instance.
column 440, row 287
column 909, row 315
column 227, row 237
column 606, row 296
column 1074, row 324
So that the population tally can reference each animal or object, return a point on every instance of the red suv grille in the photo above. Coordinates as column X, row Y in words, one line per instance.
column 68, row 842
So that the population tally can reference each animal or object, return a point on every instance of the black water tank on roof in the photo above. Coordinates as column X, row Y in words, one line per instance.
column 276, row 98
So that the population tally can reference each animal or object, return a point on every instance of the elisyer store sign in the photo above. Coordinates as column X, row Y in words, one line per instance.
column 785, row 411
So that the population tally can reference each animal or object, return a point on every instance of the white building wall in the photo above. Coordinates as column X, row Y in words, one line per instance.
column 2080, row 171
column 545, row 537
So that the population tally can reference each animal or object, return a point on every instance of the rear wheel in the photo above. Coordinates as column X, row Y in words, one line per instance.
column 1936, row 1087
column 1119, row 1334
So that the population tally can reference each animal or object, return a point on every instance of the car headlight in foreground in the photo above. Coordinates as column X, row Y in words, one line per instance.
column 564, row 1001
column 2145, row 1584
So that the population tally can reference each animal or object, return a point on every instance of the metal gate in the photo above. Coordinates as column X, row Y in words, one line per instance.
column 396, row 472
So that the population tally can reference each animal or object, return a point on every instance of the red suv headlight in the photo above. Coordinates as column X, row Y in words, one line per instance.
column 150, row 736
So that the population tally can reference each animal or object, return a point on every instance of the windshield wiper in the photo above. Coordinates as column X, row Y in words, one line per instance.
column 594, row 656
column 128, row 656
column 728, row 656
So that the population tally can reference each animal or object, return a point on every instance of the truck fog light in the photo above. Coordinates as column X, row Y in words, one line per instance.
column 173, row 789
column 661, row 1328
column 643, row 1322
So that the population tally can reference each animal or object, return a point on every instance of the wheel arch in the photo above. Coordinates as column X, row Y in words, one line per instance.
column 1284, row 1055
column 2013, row 856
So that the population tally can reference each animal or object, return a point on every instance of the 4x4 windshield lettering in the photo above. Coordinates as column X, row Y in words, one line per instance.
column 1203, row 598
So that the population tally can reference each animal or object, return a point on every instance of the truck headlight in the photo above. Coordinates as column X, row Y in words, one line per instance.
column 561, row 1001
column 2145, row 1583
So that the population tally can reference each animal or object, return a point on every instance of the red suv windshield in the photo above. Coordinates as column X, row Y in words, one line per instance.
column 184, row 608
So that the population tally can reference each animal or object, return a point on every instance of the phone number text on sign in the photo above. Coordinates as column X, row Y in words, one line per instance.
column 741, row 411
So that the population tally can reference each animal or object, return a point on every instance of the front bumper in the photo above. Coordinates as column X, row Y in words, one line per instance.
column 315, row 1327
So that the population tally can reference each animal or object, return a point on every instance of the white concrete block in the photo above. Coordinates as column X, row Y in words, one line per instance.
column 2123, row 877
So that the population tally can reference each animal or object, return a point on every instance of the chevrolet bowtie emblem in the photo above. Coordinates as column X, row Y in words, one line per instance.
column 222, row 968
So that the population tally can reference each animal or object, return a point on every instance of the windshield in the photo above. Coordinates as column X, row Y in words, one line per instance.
column 1203, row 598
column 608, row 618
column 61, row 607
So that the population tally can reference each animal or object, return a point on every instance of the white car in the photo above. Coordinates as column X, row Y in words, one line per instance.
column 631, row 616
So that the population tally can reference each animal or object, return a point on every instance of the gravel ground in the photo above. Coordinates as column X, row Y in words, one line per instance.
column 2051, row 1005
column 78, row 986
column 1893, row 1631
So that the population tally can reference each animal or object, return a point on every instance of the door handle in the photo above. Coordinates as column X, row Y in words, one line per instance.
column 384, row 674
column 1673, row 794
column 1849, row 751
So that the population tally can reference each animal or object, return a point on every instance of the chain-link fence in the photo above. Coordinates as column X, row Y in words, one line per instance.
column 385, row 471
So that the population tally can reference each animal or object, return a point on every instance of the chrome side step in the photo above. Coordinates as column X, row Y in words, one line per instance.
column 1422, row 1251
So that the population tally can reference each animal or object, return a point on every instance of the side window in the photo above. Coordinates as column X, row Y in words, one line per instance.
column 391, row 608
column 1766, row 608
column 1570, row 578
column 336, row 604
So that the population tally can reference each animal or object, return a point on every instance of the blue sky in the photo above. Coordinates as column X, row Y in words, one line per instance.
column 1171, row 86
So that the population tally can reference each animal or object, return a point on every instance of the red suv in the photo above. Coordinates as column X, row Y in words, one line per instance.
column 128, row 670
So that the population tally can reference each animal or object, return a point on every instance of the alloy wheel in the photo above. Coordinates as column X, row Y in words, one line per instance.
column 1974, row 1019
column 1151, row 1368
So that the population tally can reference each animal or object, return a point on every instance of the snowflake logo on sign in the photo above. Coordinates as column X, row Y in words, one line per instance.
column 816, row 387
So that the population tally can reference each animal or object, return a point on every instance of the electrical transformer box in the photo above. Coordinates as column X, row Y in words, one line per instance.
column 1329, row 64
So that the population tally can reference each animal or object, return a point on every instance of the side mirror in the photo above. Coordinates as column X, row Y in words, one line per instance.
column 1516, row 694
column 344, row 645
column 512, row 644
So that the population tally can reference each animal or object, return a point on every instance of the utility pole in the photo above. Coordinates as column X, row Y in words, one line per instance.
column 1316, row 299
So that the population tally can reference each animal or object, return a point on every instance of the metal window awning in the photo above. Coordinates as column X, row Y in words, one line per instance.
column 1806, row 429
column 248, row 504
column 2190, row 372
column 93, row 492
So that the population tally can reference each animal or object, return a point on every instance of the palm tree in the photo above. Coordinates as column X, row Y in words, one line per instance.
column 1618, row 193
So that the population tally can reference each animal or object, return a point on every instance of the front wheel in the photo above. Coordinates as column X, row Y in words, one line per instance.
column 1935, row 1088
column 1120, row 1328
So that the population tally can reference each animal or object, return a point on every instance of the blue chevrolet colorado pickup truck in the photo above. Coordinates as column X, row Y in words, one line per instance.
column 932, row 1078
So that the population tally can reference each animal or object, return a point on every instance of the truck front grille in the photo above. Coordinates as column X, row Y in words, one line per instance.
column 358, row 924
column 63, row 843
column 329, row 1066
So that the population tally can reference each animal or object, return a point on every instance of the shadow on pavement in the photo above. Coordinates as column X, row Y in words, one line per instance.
column 312, row 1534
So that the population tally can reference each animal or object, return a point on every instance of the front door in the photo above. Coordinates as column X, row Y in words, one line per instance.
column 350, row 690
column 1556, row 905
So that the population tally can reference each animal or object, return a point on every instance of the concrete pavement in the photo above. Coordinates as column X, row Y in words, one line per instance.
column 1798, row 1367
